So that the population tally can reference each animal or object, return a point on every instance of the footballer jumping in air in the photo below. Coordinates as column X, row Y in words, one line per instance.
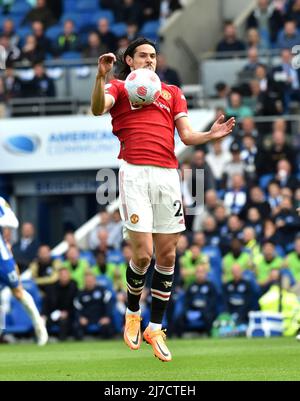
column 148, row 173
column 9, row 276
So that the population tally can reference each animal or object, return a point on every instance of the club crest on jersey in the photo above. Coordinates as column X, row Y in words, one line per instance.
column 134, row 218
column 166, row 95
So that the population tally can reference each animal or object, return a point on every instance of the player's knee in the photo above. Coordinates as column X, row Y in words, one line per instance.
column 143, row 261
column 167, row 259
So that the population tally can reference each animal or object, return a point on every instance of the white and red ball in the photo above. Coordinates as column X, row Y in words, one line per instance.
column 143, row 87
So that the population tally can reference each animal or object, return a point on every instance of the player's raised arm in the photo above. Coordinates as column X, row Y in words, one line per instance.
column 219, row 130
column 100, row 103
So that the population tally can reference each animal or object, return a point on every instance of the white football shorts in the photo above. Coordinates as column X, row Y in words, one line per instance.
column 150, row 199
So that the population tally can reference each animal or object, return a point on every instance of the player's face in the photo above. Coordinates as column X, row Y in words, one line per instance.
column 144, row 57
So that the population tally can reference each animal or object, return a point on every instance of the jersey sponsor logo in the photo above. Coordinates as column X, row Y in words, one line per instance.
column 134, row 218
column 22, row 144
column 166, row 94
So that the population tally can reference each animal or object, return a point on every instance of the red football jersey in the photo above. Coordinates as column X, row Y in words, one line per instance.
column 146, row 134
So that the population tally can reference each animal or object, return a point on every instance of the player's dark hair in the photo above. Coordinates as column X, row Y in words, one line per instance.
column 123, row 67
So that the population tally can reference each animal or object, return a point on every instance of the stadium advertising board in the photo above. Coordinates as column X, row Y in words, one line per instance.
column 66, row 143
column 57, row 144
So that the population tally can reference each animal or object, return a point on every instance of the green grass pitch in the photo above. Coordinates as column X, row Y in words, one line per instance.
column 197, row 359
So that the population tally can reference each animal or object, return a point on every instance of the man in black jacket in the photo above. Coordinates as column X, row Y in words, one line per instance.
column 94, row 307
column 238, row 296
column 58, row 304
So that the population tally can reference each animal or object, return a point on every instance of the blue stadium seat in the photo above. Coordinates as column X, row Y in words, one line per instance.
column 264, row 180
column 150, row 29
column 109, row 15
column 54, row 31
column 70, row 56
column 23, row 32
column 20, row 8
column 68, row 6
column 87, row 5
column 215, row 259
column 119, row 29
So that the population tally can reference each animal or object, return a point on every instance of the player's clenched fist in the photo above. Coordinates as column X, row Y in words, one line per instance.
column 105, row 63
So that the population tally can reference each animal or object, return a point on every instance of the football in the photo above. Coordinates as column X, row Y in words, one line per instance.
column 143, row 87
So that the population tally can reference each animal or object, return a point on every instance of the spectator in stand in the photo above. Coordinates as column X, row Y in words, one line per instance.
column 252, row 62
column 132, row 31
column 40, row 13
column 248, row 156
column 3, row 110
column 235, row 166
column 70, row 239
column 256, row 200
column 41, row 85
column 30, row 52
column 217, row 159
column 69, row 39
column 107, row 37
column 273, row 196
column 198, row 163
column 267, row 159
column 210, row 230
column 13, row 53
column 288, row 78
column 238, row 296
column 270, row 232
column 254, row 41
column 293, row 11
column 76, row 266
column 12, row 84
column 129, row 11
column 248, row 127
column 104, row 219
column 150, row 10
column 200, row 303
column 268, row 262
column 94, row 306
column 235, row 256
column 211, row 201
column 289, row 37
column 284, row 176
column 25, row 250
column 251, row 245
column 235, row 197
column 44, row 269
column 221, row 216
column 166, row 74
column 188, row 263
column 235, row 107
column 292, row 262
column 229, row 43
column 266, row 94
column 44, row 44
column 58, row 309
column 254, row 220
column 231, row 231
column 8, row 30
column 94, row 47
column 267, row 20
column 56, row 6
column 287, row 222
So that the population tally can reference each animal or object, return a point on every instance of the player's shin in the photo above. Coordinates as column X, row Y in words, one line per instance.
column 39, row 327
column 135, row 277
column 160, row 290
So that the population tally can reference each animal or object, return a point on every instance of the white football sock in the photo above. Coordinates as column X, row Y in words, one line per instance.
column 129, row 312
column 28, row 303
column 154, row 326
